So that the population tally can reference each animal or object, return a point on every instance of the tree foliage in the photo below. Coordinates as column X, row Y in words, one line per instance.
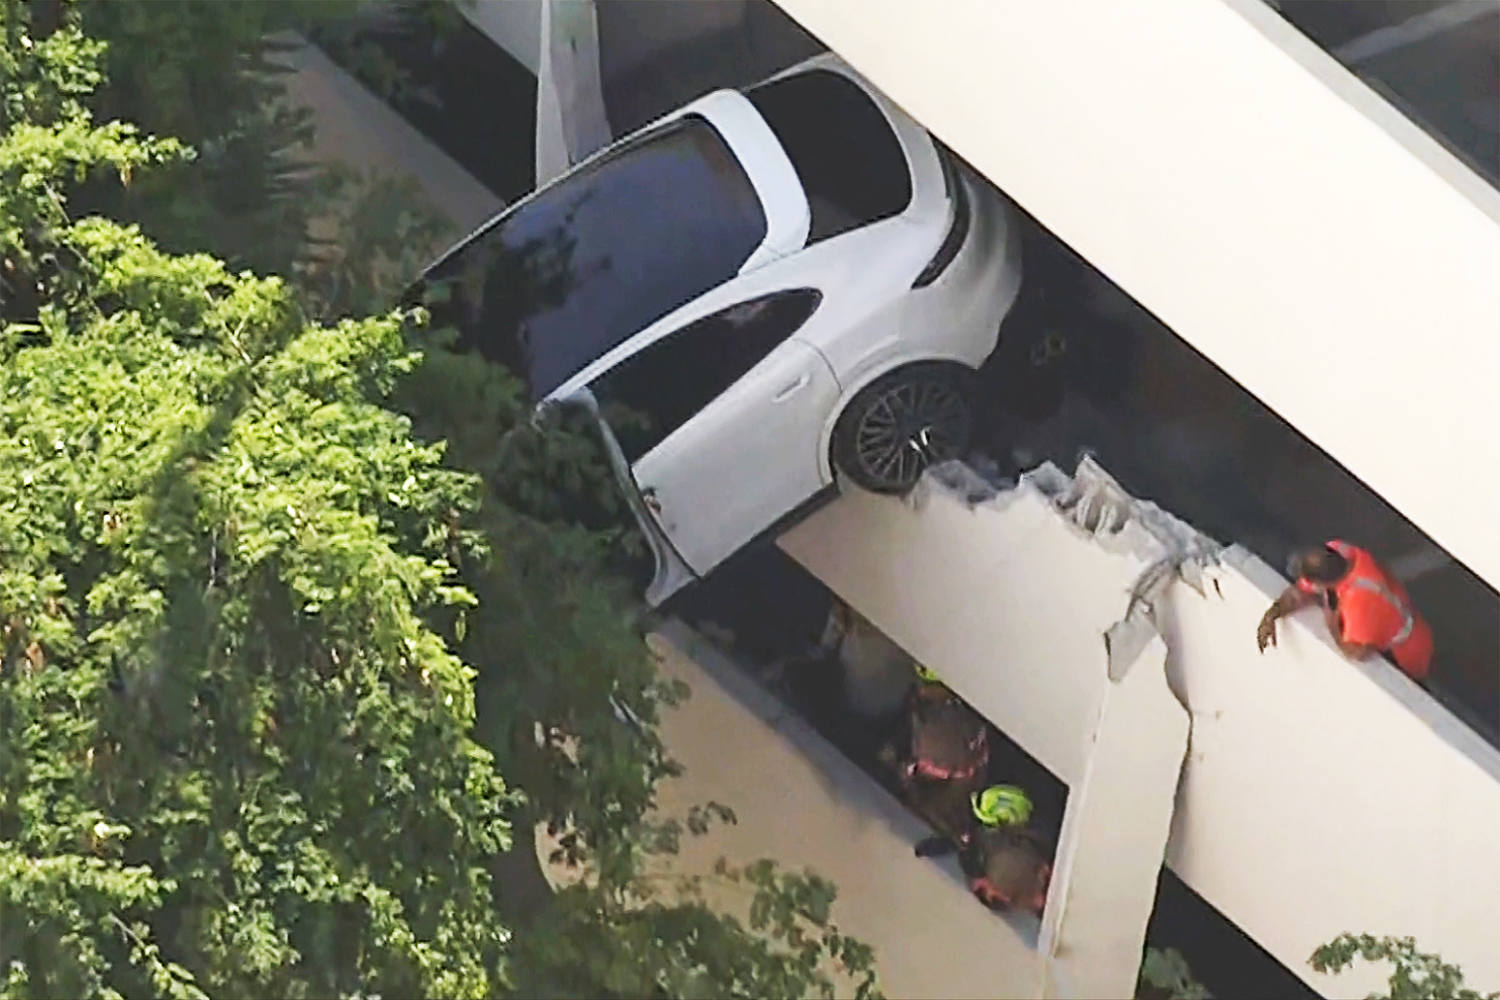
column 1166, row 975
column 650, row 942
column 220, row 681
column 1415, row 974
column 267, row 647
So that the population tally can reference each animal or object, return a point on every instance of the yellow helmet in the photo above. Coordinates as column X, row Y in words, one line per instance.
column 1001, row 805
column 927, row 676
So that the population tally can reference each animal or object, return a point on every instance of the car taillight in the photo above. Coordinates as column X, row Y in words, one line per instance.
column 958, row 230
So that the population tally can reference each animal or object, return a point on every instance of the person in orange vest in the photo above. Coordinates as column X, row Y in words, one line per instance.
column 1366, row 609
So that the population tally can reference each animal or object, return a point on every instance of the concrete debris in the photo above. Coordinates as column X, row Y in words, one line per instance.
column 1095, row 503
column 969, row 481
column 1124, row 641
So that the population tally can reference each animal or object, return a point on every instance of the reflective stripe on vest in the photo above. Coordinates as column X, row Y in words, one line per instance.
column 979, row 745
column 1407, row 621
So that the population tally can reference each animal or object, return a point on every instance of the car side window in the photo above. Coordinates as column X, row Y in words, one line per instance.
column 664, row 385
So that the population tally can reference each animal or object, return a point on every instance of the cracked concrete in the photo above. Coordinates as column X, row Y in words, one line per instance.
column 1097, row 505
column 1011, row 593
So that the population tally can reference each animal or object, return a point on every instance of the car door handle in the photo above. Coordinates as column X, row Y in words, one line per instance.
column 792, row 388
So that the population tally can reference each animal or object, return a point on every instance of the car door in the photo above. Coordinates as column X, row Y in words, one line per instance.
column 720, row 421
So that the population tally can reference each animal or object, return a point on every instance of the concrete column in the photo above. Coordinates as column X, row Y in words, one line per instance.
column 570, row 118
column 514, row 25
column 1114, row 835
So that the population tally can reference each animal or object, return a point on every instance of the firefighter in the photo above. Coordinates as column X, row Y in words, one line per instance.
column 940, row 757
column 1365, row 608
column 928, row 687
column 1007, row 859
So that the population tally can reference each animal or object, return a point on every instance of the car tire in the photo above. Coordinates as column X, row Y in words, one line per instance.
column 902, row 423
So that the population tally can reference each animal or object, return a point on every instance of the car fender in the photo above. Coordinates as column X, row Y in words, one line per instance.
column 865, row 378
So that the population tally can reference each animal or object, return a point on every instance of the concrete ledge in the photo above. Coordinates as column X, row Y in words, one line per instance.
column 1318, row 796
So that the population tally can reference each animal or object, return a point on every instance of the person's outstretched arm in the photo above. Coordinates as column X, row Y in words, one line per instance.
column 1291, row 599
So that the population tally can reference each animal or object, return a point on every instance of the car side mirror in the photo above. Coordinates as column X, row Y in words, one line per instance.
column 547, row 414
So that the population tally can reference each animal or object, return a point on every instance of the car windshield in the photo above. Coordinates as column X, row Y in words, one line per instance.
column 582, row 265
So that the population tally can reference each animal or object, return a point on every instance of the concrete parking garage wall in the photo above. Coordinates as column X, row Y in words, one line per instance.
column 1318, row 796
column 356, row 130
column 1240, row 184
column 799, row 800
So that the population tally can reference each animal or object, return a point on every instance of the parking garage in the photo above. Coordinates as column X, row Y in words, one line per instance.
column 1083, row 369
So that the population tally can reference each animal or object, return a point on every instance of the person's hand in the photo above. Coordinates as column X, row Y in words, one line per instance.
column 1265, row 633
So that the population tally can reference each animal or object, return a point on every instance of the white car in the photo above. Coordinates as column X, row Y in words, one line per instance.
column 785, row 281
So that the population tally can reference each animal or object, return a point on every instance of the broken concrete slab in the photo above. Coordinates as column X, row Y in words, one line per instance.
column 1021, row 600
column 1319, row 795
column 1114, row 835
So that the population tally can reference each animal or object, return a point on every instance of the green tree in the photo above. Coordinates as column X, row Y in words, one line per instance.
column 1415, row 975
column 248, row 620
column 1166, row 975
column 220, row 680
column 236, row 758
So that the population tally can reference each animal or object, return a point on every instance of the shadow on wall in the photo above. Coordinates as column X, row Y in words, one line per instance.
column 457, row 87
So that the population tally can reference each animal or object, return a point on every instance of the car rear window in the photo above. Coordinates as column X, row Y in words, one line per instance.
column 850, row 161
column 583, row 265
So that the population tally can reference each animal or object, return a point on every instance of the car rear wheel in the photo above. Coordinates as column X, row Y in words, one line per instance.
column 903, row 423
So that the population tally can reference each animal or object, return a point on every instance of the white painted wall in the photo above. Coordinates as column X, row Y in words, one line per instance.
column 1237, row 182
column 1323, row 796
column 1318, row 796
column 952, row 586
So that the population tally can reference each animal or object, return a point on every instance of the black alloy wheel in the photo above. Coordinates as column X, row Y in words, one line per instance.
column 901, row 424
